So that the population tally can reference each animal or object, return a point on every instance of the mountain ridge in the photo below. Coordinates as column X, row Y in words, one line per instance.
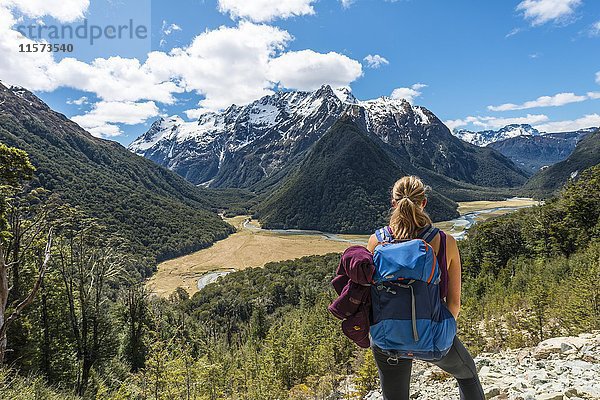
column 339, row 188
column 246, row 146
column 486, row 137
column 154, row 208
column 586, row 154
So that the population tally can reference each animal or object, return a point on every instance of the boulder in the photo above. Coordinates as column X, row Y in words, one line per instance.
column 558, row 345
column 551, row 396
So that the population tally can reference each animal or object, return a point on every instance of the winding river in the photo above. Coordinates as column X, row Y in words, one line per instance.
column 458, row 227
column 471, row 214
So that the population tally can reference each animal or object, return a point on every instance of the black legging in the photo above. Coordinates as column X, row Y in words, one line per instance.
column 395, row 374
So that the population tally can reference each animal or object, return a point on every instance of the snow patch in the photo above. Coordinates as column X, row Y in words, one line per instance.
column 423, row 119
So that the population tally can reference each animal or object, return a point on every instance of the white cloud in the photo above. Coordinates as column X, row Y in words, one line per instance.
column 595, row 29
column 408, row 93
column 375, row 61
column 587, row 121
column 167, row 28
column 105, row 130
column 266, row 10
column 79, row 101
column 114, row 79
column 101, row 119
column 598, row 77
column 347, row 3
column 513, row 32
column 195, row 113
column 593, row 95
column 539, row 12
column 452, row 124
column 308, row 70
column 556, row 100
column 25, row 69
column 495, row 123
column 62, row 10
column 226, row 65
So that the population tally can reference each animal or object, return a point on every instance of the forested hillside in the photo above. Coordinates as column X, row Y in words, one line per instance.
column 534, row 152
column 551, row 179
column 534, row 273
column 155, row 211
column 342, row 186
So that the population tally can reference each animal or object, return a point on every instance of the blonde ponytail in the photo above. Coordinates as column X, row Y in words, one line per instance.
column 408, row 216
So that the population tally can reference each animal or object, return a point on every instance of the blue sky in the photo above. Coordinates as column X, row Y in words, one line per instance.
column 475, row 64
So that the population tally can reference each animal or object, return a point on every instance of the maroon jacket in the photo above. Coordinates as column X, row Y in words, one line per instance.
column 352, row 284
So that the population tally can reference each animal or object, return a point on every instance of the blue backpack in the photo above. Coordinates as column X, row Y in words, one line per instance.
column 409, row 318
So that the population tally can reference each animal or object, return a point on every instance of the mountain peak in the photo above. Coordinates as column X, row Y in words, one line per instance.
column 345, row 95
column 325, row 91
column 520, row 130
column 346, row 156
column 484, row 138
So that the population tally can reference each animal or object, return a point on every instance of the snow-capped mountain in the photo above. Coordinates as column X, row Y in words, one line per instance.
column 241, row 145
column 484, row 138
column 261, row 137
column 533, row 152
column 244, row 145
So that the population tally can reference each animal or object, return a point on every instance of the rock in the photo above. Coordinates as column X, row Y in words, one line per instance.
column 565, row 347
column 551, row 396
column 491, row 392
column 590, row 358
column 556, row 345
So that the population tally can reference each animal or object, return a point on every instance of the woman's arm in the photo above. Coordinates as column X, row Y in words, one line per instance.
column 373, row 242
column 454, row 276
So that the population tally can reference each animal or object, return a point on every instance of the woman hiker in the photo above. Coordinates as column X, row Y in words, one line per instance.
column 423, row 330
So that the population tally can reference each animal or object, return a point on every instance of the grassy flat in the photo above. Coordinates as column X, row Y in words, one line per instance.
column 471, row 206
column 243, row 249
column 252, row 247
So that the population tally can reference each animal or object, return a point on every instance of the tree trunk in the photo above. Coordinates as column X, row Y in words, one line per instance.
column 16, row 248
column 4, row 292
column 85, row 375
column 3, row 303
column 45, row 362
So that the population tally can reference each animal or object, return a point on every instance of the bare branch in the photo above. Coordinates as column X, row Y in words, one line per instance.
column 42, row 271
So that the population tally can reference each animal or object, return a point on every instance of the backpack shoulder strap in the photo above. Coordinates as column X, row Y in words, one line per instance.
column 428, row 233
column 384, row 235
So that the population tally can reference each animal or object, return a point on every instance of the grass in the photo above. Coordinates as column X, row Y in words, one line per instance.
column 16, row 387
column 243, row 249
column 470, row 206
